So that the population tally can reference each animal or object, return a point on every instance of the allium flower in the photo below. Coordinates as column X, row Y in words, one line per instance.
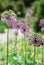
column 9, row 17
column 24, row 26
column 41, row 23
column 35, row 40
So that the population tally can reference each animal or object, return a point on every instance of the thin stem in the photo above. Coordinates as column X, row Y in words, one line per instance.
column 25, row 49
column 42, row 54
column 16, row 41
column 16, row 45
column 7, row 43
column 16, row 38
column 34, row 54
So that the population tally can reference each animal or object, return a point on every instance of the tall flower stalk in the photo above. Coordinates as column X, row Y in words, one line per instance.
column 7, row 43
column 9, row 17
column 16, row 26
column 34, row 54
column 36, row 40
column 42, row 26
column 25, row 49
column 16, row 33
column 42, row 51
column 42, row 55
column 24, row 28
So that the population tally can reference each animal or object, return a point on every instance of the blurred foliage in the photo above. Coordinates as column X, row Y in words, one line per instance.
column 2, row 26
column 37, row 28
column 36, row 9
column 42, row 10
column 38, row 12
column 28, row 2
column 20, row 7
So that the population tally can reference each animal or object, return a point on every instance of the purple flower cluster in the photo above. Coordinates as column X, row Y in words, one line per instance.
column 36, row 40
column 9, row 17
column 24, row 26
column 41, row 23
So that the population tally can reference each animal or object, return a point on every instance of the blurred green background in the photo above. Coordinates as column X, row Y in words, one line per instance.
column 20, row 7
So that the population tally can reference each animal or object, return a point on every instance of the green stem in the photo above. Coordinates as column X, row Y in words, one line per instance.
column 34, row 54
column 25, row 49
column 42, row 54
column 16, row 46
column 16, row 33
column 7, row 43
column 16, row 41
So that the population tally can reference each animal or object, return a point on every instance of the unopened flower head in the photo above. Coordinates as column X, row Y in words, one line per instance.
column 41, row 23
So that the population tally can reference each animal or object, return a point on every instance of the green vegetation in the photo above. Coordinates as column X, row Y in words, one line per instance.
column 16, row 54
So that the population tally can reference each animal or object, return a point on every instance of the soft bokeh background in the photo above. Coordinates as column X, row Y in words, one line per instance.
column 20, row 7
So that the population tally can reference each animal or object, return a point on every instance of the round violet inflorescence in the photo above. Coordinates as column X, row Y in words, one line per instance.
column 9, row 17
column 24, row 26
column 36, row 40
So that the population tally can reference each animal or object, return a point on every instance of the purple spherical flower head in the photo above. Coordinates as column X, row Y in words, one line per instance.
column 41, row 23
column 24, row 26
column 24, row 30
column 35, row 40
column 8, row 17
